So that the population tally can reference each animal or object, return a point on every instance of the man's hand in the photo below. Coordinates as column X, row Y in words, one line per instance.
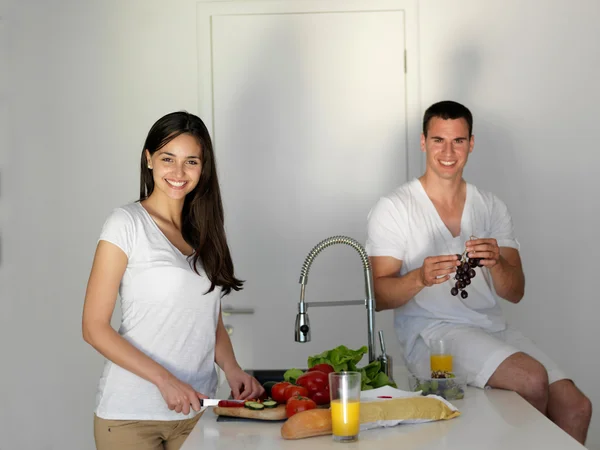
column 437, row 269
column 486, row 250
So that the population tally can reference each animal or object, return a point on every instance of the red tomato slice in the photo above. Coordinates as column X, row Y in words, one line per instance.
column 230, row 404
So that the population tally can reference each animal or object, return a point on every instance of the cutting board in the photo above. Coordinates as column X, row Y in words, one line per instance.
column 277, row 413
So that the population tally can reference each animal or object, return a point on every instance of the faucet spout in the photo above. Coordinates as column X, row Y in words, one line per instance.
column 302, row 330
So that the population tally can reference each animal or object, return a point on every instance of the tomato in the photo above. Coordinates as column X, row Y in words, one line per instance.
column 314, row 381
column 298, row 404
column 321, row 397
column 230, row 404
column 325, row 368
column 277, row 391
column 293, row 391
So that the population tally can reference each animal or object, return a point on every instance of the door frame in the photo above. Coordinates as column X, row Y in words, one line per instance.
column 415, row 161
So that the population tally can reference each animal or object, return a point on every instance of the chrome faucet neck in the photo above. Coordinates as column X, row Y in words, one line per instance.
column 302, row 317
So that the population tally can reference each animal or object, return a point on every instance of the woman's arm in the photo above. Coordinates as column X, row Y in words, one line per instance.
column 101, row 294
column 242, row 385
column 224, row 355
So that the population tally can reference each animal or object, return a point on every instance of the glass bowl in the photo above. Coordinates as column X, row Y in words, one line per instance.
column 448, row 388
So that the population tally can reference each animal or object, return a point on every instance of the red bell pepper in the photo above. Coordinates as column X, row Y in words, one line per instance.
column 317, row 384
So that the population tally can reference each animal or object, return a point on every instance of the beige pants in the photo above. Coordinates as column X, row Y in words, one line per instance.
column 142, row 434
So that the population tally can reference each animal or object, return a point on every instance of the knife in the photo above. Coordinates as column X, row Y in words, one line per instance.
column 215, row 401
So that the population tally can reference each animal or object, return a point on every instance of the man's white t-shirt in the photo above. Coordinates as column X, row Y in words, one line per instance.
column 166, row 314
column 405, row 225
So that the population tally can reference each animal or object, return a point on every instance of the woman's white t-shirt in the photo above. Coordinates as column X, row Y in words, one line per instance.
column 405, row 225
column 166, row 313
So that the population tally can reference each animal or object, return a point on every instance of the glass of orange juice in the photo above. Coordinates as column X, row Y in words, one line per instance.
column 441, row 355
column 344, row 390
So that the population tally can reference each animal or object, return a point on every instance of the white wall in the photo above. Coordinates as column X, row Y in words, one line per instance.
column 87, row 79
column 529, row 71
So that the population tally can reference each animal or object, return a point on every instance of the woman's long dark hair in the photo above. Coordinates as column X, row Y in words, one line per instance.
column 202, row 218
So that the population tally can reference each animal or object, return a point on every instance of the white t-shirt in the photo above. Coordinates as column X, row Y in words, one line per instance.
column 166, row 315
column 405, row 225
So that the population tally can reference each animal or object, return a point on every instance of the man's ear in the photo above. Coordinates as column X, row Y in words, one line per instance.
column 423, row 138
column 471, row 143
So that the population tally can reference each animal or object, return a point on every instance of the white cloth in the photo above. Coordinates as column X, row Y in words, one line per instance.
column 405, row 225
column 166, row 314
column 477, row 353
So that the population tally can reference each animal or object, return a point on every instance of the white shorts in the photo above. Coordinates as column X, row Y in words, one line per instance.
column 478, row 353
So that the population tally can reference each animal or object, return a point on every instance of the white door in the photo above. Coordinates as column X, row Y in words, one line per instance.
column 307, row 107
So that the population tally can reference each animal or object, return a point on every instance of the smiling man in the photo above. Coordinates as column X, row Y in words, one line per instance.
column 416, row 235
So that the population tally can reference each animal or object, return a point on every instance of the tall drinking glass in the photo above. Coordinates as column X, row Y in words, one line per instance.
column 344, row 389
column 441, row 355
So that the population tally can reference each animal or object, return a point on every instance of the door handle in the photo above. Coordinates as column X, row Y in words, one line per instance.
column 228, row 311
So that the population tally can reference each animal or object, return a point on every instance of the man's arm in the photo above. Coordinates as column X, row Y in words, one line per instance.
column 392, row 291
column 505, row 266
column 508, row 276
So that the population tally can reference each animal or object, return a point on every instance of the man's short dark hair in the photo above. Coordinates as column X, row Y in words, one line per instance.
column 447, row 109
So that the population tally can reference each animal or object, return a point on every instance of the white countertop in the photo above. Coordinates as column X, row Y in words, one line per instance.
column 490, row 420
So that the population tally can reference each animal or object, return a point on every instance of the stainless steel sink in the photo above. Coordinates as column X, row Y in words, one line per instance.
column 264, row 375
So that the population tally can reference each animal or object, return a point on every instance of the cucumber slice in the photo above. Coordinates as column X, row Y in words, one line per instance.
column 255, row 406
column 269, row 403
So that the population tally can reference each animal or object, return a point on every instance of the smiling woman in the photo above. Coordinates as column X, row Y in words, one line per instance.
column 168, row 258
column 178, row 164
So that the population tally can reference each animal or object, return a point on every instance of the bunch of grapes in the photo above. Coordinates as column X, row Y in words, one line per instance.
column 465, row 273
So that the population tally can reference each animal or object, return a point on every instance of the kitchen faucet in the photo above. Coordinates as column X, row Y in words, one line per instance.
column 302, row 332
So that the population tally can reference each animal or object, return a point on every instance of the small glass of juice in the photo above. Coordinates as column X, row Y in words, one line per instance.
column 344, row 390
column 441, row 356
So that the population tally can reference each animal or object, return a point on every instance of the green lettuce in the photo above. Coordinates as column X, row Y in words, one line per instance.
column 342, row 358
column 291, row 375
column 367, row 373
column 380, row 380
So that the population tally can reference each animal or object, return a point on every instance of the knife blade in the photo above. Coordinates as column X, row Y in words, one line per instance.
column 215, row 401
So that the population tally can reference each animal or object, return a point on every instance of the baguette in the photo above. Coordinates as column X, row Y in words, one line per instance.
column 314, row 422
column 277, row 413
